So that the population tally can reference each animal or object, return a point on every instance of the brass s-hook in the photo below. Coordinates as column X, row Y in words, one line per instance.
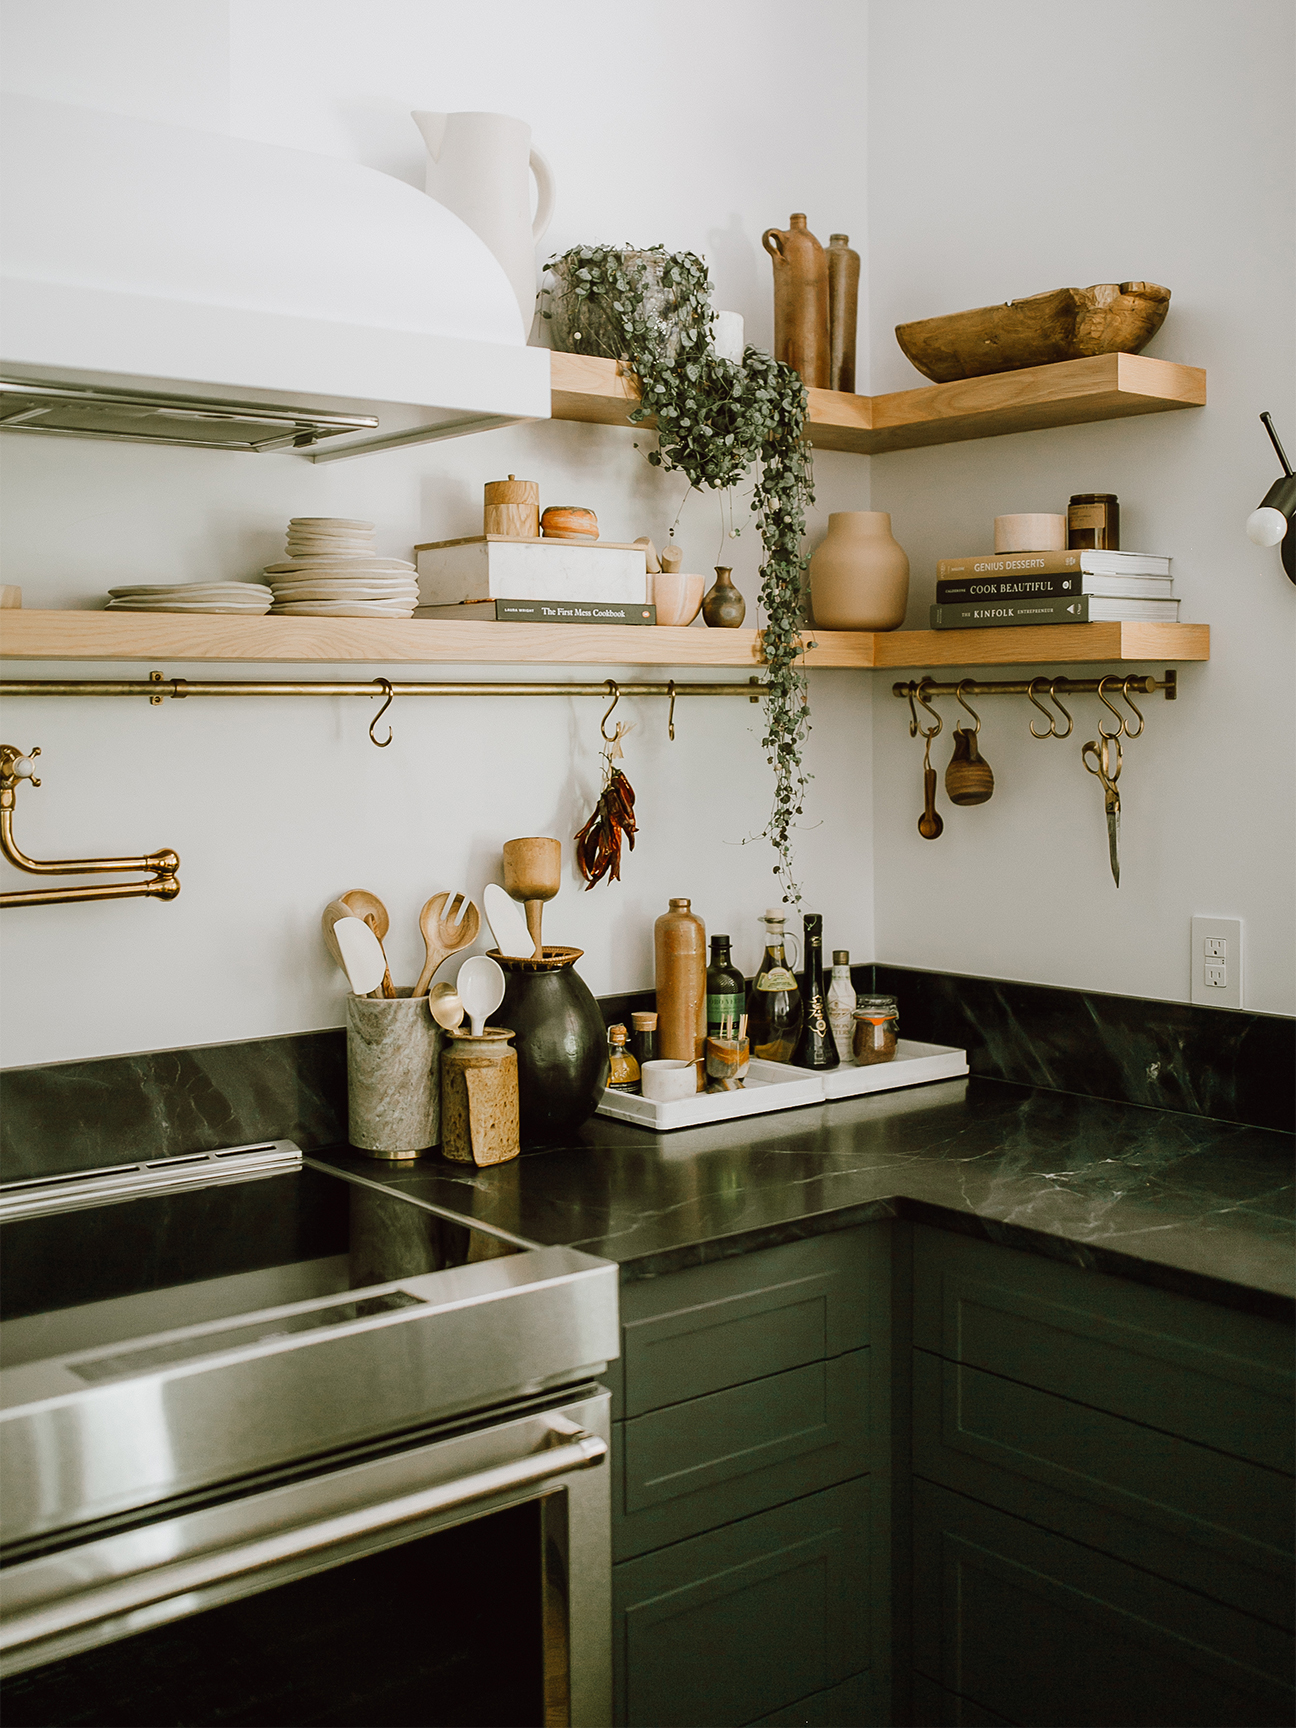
column 1053, row 698
column 1111, row 708
column 1132, row 732
column 670, row 717
column 924, row 700
column 1051, row 718
column 958, row 696
column 382, row 743
column 610, row 737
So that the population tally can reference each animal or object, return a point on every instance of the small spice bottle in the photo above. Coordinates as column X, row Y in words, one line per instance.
column 877, row 1020
column 624, row 1074
column 643, row 1037
column 1093, row 522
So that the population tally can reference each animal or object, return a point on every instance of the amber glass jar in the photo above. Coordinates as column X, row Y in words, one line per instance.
column 1093, row 522
column 877, row 1020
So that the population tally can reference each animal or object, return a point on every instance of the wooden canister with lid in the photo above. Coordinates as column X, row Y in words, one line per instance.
column 679, row 948
column 512, row 507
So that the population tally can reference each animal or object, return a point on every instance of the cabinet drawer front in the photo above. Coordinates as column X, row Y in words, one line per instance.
column 1214, row 1376
column 934, row 1707
column 853, row 1704
column 693, row 1466
column 1205, row 1519
column 742, row 1319
column 1040, row 1630
column 732, row 1626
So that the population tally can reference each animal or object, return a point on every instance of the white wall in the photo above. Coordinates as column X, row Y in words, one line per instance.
column 687, row 130
column 1016, row 146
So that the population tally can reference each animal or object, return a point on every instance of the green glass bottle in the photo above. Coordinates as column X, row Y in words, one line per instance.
column 726, row 992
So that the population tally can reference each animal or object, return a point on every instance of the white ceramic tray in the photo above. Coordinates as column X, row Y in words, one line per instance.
column 779, row 1086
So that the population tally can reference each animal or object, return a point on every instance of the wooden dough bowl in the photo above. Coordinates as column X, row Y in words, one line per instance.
column 1064, row 324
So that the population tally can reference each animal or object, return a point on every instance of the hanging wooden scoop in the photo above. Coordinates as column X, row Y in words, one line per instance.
column 930, row 825
column 533, row 874
column 968, row 779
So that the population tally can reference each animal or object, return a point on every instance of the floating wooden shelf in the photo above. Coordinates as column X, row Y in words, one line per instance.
column 159, row 637
column 1108, row 387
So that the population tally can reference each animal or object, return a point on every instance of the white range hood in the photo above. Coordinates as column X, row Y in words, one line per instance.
column 145, row 261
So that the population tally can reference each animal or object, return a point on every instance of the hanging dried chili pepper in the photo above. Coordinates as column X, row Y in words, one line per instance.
column 598, row 845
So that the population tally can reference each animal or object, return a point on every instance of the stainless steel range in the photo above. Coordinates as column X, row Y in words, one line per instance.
column 281, row 1446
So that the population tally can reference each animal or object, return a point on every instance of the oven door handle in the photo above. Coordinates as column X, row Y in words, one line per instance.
column 578, row 1451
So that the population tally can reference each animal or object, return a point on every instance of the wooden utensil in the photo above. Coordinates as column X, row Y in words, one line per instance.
column 446, row 929
column 533, row 874
column 930, row 825
column 334, row 912
column 360, row 903
column 362, row 955
column 968, row 779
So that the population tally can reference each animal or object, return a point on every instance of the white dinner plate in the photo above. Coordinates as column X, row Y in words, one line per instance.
column 342, row 609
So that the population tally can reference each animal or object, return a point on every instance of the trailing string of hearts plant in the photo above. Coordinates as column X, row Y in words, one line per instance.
column 715, row 420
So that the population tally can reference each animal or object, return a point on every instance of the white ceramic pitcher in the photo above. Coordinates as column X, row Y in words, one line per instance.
column 477, row 167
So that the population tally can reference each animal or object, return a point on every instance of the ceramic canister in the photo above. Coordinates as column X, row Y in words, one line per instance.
column 479, row 1097
column 393, row 1084
column 859, row 577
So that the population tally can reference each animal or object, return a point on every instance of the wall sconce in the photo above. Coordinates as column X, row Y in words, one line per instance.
column 1272, row 519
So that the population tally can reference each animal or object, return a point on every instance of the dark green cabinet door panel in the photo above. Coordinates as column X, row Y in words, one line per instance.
column 729, row 1627
column 934, row 1707
column 742, row 1319
column 1217, row 1377
column 1044, row 1632
column 693, row 1466
column 850, row 1705
column 1209, row 1520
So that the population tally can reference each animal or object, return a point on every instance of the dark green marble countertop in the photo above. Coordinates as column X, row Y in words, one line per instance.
column 1184, row 1202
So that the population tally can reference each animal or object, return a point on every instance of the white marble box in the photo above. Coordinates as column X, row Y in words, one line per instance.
column 497, row 567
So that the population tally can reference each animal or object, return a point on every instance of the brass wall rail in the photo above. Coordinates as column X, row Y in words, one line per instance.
column 164, row 884
column 1141, row 686
column 158, row 686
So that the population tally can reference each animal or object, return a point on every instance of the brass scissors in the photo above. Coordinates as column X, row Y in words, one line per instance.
column 1102, row 750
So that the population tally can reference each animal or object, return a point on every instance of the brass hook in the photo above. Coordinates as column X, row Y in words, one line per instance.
column 610, row 737
column 670, row 718
column 1102, row 697
column 924, row 699
column 1130, row 703
column 1052, row 719
column 913, row 712
column 958, row 696
column 1053, row 698
column 382, row 743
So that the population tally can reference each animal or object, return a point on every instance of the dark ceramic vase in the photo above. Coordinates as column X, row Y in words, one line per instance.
column 724, row 607
column 561, row 1044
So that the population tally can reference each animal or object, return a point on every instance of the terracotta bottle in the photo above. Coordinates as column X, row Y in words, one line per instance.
column 843, row 311
column 800, row 300
column 859, row 577
column 679, row 945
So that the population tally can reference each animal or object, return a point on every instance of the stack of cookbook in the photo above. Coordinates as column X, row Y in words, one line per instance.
column 1021, row 588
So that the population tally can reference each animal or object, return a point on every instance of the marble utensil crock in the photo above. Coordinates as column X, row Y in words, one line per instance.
column 393, row 1075
column 859, row 577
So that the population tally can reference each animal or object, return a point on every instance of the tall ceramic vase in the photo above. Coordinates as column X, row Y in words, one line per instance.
column 859, row 577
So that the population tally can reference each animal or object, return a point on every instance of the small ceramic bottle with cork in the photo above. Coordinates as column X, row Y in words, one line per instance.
column 679, row 950
column 841, row 1003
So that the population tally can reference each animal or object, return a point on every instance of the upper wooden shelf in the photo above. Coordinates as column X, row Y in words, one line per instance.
column 160, row 636
column 1108, row 387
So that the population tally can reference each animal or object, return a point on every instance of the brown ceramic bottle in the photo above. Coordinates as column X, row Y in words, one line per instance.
column 800, row 300
column 679, row 945
column 724, row 607
column 843, row 311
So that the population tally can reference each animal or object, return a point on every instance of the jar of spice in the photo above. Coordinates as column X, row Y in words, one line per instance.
column 1093, row 522
column 643, row 1037
column 877, row 1021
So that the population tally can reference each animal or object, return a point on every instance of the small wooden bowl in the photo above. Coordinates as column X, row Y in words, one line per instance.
column 566, row 522
column 1064, row 324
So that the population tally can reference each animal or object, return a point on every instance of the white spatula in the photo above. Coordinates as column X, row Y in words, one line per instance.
column 508, row 926
column 362, row 955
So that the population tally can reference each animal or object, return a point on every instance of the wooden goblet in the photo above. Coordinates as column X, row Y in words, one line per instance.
column 533, row 874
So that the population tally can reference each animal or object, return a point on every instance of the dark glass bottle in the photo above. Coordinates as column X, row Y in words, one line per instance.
column 726, row 991
column 774, row 1011
column 816, row 1047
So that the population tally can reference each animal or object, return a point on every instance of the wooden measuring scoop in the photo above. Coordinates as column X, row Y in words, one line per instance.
column 930, row 825
column 968, row 779
column 533, row 874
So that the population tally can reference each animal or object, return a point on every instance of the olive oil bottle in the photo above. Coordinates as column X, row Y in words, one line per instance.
column 774, row 1009
column 726, row 991
column 816, row 1047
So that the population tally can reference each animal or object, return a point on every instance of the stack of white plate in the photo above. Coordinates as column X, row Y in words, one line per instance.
column 247, row 598
column 331, row 571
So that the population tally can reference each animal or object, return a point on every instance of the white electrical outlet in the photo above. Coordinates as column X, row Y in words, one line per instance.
column 1217, row 962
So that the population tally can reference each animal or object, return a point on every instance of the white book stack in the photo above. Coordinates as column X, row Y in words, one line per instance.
column 499, row 567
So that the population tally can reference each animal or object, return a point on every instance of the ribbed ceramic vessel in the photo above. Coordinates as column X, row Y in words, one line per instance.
column 859, row 577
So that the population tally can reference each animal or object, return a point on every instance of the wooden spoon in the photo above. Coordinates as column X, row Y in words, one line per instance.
column 360, row 903
column 533, row 874
column 445, row 1006
column 446, row 929
column 930, row 825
